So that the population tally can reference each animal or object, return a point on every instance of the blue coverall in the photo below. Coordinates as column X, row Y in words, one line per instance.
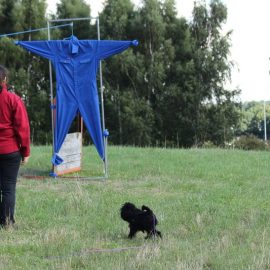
column 76, row 63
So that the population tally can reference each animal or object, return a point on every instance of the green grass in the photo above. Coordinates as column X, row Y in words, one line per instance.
column 213, row 208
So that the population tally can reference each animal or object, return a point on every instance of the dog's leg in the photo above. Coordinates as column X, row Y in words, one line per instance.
column 149, row 234
column 153, row 234
column 159, row 233
column 132, row 233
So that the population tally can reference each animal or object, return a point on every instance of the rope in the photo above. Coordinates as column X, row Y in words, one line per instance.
column 43, row 177
column 36, row 30
column 87, row 251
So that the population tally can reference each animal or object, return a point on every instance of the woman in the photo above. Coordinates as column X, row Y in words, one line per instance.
column 14, row 147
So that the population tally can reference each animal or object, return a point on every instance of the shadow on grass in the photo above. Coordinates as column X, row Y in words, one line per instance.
column 28, row 172
column 39, row 174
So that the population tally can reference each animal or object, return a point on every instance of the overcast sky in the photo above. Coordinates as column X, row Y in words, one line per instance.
column 250, row 22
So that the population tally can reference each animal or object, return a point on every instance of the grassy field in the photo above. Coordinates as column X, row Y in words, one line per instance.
column 213, row 208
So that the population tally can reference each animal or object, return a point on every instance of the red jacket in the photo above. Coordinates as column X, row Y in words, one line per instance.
column 14, row 124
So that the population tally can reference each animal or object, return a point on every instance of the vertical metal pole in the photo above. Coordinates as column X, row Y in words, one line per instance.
column 105, row 139
column 264, row 114
column 51, row 89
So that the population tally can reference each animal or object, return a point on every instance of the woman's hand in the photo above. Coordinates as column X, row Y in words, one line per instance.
column 25, row 160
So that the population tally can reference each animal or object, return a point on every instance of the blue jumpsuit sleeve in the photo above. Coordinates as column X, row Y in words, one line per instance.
column 108, row 48
column 42, row 48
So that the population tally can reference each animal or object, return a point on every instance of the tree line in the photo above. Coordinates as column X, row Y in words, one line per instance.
column 168, row 91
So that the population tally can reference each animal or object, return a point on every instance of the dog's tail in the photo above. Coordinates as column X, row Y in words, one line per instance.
column 147, row 209
column 127, row 211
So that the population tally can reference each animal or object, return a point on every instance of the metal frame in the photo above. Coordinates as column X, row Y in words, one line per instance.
column 105, row 139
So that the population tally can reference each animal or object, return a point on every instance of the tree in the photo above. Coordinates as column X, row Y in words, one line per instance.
column 212, row 67
column 75, row 9
column 30, row 14
column 127, row 123
column 7, row 21
column 252, row 120
column 170, row 90
column 27, row 73
column 175, row 105
column 157, row 52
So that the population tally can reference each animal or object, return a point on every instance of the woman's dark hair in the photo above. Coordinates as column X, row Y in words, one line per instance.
column 3, row 73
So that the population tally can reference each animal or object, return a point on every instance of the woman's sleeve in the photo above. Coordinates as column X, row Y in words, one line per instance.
column 22, row 128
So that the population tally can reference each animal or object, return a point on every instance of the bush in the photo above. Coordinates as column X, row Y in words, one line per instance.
column 208, row 144
column 250, row 143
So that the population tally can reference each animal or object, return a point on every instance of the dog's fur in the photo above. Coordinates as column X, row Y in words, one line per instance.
column 139, row 220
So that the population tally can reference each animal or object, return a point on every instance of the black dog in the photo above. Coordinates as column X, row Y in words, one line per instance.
column 139, row 220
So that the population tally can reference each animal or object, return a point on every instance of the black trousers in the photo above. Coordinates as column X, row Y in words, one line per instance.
column 9, row 167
